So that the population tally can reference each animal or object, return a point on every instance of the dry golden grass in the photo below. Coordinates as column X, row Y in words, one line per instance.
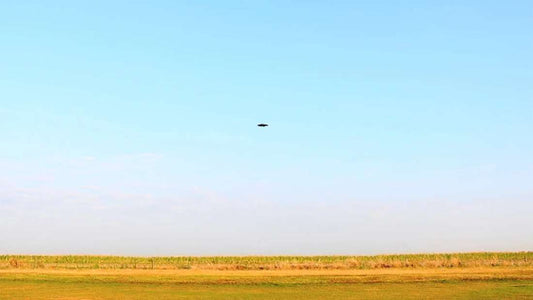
column 425, row 261
column 485, row 282
column 471, row 272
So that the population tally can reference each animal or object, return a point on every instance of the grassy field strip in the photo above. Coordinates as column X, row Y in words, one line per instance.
column 468, row 283
column 453, row 290
column 447, row 260
column 419, row 276
column 481, row 270
column 270, row 277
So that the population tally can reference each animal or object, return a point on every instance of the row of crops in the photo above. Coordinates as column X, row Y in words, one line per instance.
column 269, row 262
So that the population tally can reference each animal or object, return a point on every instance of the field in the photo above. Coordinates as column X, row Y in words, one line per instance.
column 430, row 276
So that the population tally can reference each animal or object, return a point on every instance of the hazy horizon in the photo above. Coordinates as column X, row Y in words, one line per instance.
column 130, row 128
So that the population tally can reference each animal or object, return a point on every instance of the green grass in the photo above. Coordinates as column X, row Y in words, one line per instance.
column 82, row 285
column 416, row 276
column 446, row 260
column 458, row 290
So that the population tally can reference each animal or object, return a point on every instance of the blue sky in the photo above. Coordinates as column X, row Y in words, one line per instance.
column 130, row 127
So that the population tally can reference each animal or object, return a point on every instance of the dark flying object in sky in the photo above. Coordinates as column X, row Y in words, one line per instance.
column 262, row 125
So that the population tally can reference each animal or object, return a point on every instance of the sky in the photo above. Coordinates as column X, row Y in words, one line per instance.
column 129, row 127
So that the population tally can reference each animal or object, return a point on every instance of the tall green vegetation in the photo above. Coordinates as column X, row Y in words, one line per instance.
column 447, row 260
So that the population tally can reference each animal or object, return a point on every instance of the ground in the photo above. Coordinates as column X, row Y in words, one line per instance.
column 402, row 283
